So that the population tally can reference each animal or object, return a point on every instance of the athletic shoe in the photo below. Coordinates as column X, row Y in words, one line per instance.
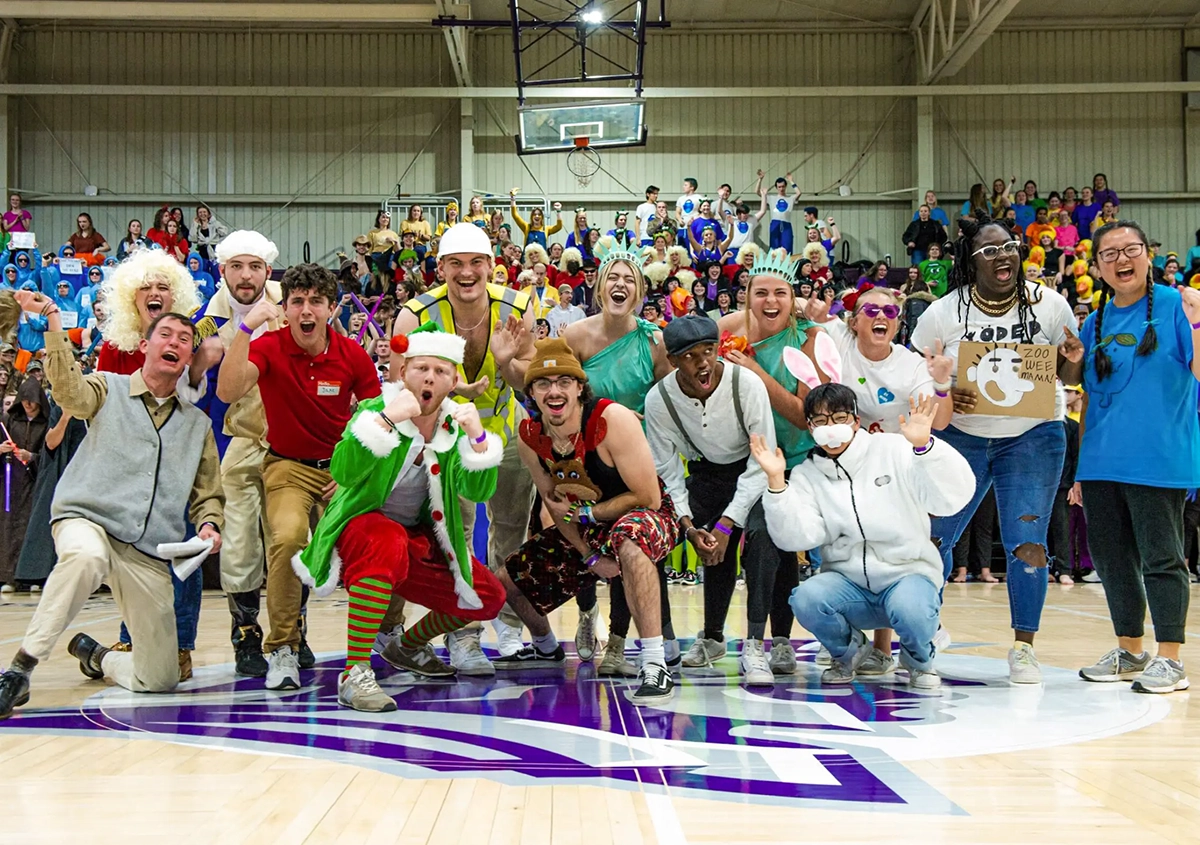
column 185, row 665
column 466, row 656
column 89, row 653
column 384, row 637
column 358, row 690
column 247, row 652
column 753, row 664
column 14, row 691
column 840, row 672
column 703, row 652
column 672, row 653
column 690, row 579
column 741, row 582
column 35, row 588
column 614, row 662
column 585, row 634
column 530, row 658
column 941, row 640
column 783, row 656
column 283, row 669
column 674, row 576
column 877, row 663
column 804, row 571
column 1117, row 665
column 508, row 638
column 304, row 656
column 1161, row 676
column 656, row 686
column 1023, row 666
column 1092, row 577
column 7, row 588
column 420, row 661
column 924, row 679
column 823, row 658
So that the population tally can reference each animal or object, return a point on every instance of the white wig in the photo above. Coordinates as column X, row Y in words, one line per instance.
column 122, row 325
column 569, row 254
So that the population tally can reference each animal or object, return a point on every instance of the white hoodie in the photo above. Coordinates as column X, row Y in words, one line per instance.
column 868, row 510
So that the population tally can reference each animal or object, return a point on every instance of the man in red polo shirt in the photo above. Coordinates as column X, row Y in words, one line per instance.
column 308, row 377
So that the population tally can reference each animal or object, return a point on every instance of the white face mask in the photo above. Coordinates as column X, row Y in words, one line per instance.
column 833, row 436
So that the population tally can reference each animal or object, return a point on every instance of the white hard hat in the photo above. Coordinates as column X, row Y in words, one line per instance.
column 464, row 238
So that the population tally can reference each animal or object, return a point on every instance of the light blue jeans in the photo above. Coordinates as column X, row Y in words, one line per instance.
column 833, row 607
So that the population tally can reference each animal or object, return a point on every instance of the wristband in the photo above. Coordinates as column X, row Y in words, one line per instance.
column 940, row 394
column 585, row 515
column 482, row 438
column 941, row 387
column 922, row 450
column 591, row 561
column 717, row 526
column 780, row 490
column 1196, row 325
column 387, row 420
column 245, row 328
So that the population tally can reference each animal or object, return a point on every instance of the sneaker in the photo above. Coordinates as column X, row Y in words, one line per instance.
column 89, row 653
column 783, row 656
column 283, row 669
column 249, row 661
column 35, row 588
column 1162, row 675
column 877, row 663
column 14, row 691
column 703, row 652
column 7, row 588
column 1092, row 577
column 530, row 658
column 1117, row 665
column 384, row 637
column 672, row 653
column 585, row 634
column 185, row 664
column 358, row 690
column 1023, row 666
column 614, row 663
column 655, row 686
column 690, row 579
column 924, row 679
column 840, row 672
column 508, row 638
column 674, row 577
column 804, row 572
column 823, row 658
column 941, row 640
column 420, row 661
column 753, row 664
column 741, row 582
column 466, row 656
column 305, row 657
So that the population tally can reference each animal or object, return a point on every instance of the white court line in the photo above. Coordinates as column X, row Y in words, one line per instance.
column 86, row 621
column 660, row 806
column 1101, row 616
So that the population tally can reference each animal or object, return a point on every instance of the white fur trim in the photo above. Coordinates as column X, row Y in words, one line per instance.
column 379, row 441
column 442, row 439
column 449, row 347
column 467, row 597
column 488, row 458
column 306, row 577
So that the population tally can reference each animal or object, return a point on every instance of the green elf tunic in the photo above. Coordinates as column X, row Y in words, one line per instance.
column 366, row 464
column 624, row 371
column 795, row 443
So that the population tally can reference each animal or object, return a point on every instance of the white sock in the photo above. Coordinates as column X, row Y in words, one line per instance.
column 671, row 649
column 546, row 644
column 652, row 651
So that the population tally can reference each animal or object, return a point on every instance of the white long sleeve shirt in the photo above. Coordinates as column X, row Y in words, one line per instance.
column 869, row 510
column 713, row 428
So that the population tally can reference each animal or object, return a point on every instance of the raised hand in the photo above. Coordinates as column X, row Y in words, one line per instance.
column 817, row 309
column 472, row 390
column 773, row 463
column 1072, row 347
column 30, row 300
column 467, row 417
column 940, row 366
column 1190, row 297
column 263, row 312
column 918, row 425
column 507, row 339
column 404, row 407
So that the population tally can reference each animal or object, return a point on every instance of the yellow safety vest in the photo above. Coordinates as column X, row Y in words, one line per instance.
column 497, row 405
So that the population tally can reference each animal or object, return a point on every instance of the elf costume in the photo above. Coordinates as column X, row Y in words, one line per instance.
column 394, row 524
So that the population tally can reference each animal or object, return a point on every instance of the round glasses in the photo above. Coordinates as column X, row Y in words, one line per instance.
column 872, row 310
column 1108, row 256
column 841, row 418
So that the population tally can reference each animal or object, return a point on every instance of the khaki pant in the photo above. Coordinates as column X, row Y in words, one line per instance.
column 291, row 490
column 242, row 541
column 141, row 586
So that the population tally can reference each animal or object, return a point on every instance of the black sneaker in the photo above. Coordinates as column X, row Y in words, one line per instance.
column 804, row 571
column 249, row 661
column 304, row 655
column 690, row 579
column 14, row 692
column 529, row 657
column 655, row 686
column 89, row 653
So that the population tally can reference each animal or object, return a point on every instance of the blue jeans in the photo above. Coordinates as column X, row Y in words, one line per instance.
column 187, row 609
column 781, row 235
column 1025, row 471
column 833, row 607
column 917, row 257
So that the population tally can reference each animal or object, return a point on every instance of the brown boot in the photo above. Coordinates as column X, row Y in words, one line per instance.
column 185, row 665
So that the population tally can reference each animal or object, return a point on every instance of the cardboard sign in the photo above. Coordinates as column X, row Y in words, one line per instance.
column 70, row 266
column 1011, row 379
column 21, row 240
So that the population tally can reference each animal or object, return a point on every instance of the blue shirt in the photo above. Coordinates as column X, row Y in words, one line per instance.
column 1026, row 214
column 1141, row 425
column 935, row 214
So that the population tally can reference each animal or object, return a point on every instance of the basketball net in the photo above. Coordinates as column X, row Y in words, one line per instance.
column 583, row 162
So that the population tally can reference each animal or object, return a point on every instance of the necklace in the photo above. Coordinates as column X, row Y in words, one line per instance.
column 993, row 309
column 459, row 328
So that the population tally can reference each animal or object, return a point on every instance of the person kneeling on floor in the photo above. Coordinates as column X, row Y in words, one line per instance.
column 394, row 524
column 865, row 500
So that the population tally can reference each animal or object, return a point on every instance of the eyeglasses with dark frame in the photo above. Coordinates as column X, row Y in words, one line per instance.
column 840, row 418
column 1108, row 256
column 541, row 385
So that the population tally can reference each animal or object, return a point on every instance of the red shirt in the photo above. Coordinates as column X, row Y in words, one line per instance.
column 307, row 398
column 113, row 360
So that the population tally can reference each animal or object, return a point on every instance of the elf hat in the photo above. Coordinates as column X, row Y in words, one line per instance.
column 429, row 340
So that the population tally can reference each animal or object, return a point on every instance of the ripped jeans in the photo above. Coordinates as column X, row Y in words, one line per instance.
column 1024, row 471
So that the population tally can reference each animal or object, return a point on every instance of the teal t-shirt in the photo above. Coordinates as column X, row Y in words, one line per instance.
column 796, row 443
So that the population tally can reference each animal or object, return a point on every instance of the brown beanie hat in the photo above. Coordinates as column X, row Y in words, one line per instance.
column 553, row 358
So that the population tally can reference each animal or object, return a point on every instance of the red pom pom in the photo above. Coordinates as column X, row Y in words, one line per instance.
column 399, row 344
column 435, row 469
column 437, row 516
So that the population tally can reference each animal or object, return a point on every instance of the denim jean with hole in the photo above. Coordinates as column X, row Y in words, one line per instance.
column 1024, row 471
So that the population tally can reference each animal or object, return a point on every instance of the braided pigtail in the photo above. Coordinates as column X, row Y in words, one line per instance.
column 1103, row 362
column 1150, row 338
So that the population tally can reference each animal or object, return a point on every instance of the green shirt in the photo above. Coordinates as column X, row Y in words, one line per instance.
column 936, row 273
column 624, row 371
column 796, row 443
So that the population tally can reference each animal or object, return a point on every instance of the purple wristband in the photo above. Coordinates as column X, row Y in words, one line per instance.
column 482, row 438
column 245, row 328
column 924, row 448
column 717, row 526
column 1196, row 325
column 591, row 561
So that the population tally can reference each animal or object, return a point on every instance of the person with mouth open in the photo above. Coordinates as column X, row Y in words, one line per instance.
column 107, row 521
column 624, row 524
column 309, row 377
column 1021, row 457
column 394, row 525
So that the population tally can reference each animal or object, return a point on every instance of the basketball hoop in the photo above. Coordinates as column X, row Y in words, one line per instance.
column 583, row 161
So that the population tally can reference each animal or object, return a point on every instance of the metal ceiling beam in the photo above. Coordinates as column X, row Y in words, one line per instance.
column 456, row 39
column 942, row 47
column 382, row 13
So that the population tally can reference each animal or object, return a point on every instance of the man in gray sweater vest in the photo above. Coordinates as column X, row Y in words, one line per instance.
column 148, row 459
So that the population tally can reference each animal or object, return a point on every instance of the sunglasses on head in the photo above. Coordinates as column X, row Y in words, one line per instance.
column 872, row 310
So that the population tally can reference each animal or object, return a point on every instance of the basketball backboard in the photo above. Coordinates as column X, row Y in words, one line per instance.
column 555, row 128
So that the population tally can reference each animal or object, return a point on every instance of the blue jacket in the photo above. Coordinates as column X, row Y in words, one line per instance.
column 204, row 281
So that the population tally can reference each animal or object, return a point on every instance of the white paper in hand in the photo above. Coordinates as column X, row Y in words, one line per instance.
column 187, row 556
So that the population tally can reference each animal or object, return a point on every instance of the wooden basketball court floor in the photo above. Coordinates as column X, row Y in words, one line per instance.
column 558, row 756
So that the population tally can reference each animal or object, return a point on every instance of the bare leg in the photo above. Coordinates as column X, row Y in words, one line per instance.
column 641, row 589
column 539, row 625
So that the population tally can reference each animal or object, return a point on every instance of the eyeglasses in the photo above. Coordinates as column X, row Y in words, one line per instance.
column 872, row 310
column 840, row 418
column 541, row 385
column 989, row 253
column 1108, row 256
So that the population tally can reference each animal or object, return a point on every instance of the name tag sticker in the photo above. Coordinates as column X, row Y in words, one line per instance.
column 329, row 388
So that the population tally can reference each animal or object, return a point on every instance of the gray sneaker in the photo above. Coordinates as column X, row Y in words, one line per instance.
column 877, row 663
column 924, row 679
column 703, row 652
column 585, row 634
column 783, row 656
column 823, row 658
column 1117, row 665
column 1162, row 675
column 420, row 661
column 465, row 654
column 840, row 672
column 283, row 669
column 358, row 690
column 614, row 663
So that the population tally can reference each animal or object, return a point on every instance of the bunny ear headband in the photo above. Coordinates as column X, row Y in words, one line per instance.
column 827, row 357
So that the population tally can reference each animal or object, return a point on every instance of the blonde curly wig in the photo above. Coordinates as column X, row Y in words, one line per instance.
column 122, row 325
column 569, row 254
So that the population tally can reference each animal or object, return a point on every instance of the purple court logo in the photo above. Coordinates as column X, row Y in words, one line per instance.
column 797, row 744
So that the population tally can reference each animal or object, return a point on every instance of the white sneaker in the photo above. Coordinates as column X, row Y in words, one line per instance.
column 7, row 588
column 703, row 652
column 823, row 658
column 941, row 640
column 1023, row 666
column 924, row 679
column 1093, row 577
column 783, row 656
column 35, row 588
column 614, row 663
column 585, row 634
column 466, row 656
column 753, row 664
column 283, row 669
column 508, row 638
column 877, row 663
column 384, row 637
column 358, row 690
